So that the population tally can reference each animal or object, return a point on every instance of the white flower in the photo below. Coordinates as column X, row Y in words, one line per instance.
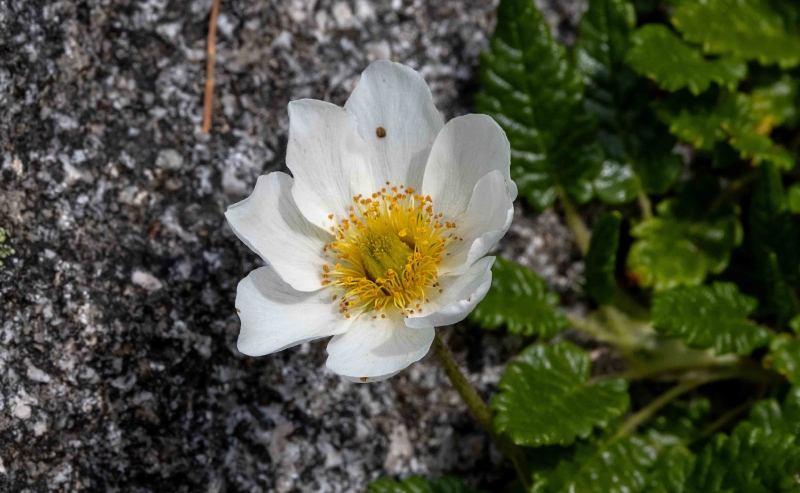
column 379, row 236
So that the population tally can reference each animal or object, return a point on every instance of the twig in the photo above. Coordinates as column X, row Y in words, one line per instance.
column 208, row 99
column 481, row 411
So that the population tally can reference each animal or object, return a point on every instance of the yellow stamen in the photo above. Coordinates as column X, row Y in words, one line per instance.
column 387, row 252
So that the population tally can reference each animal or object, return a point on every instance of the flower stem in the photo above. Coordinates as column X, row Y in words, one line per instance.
column 645, row 205
column 724, row 420
column 651, row 409
column 575, row 224
column 481, row 411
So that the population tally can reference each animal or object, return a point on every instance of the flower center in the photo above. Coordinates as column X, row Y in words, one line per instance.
column 386, row 252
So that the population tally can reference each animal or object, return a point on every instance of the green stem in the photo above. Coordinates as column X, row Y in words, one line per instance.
column 733, row 189
column 481, row 411
column 645, row 205
column 651, row 409
column 628, row 304
column 723, row 420
column 575, row 224
column 593, row 329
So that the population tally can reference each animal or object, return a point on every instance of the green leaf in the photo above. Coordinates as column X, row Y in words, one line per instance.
column 617, row 183
column 680, row 422
column 709, row 317
column 683, row 244
column 531, row 88
column 776, row 418
column 775, row 242
column 660, row 55
column 519, row 300
column 417, row 484
column 751, row 460
column 794, row 324
column 748, row 29
column 761, row 149
column 761, row 455
column 794, row 198
column 703, row 130
column 619, row 468
column 784, row 357
column 544, row 397
column 744, row 121
column 638, row 149
column 602, row 257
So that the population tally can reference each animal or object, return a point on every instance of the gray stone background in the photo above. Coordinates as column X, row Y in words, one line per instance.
column 118, row 364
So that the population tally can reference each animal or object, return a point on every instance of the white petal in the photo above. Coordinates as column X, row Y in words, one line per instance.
column 377, row 348
column 328, row 159
column 379, row 378
column 487, row 219
column 397, row 99
column 269, row 222
column 459, row 296
column 275, row 317
column 468, row 148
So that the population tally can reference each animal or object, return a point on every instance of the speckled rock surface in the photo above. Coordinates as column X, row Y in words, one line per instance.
column 118, row 365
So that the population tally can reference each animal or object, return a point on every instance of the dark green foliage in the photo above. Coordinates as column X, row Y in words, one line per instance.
column 784, row 357
column 709, row 317
column 794, row 198
column 602, row 257
column 742, row 120
column 680, row 422
column 416, row 484
column 544, row 398
column 621, row 467
column 775, row 243
column 686, row 241
column 747, row 29
column 530, row 86
column 662, row 56
column 639, row 153
column 520, row 301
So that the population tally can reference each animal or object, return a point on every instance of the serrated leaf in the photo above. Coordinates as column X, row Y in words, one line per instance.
column 638, row 149
column 660, row 55
column 761, row 149
column 761, row 455
column 703, row 130
column 709, row 317
column 519, row 300
column 784, row 357
column 776, row 417
column 775, row 242
column 417, row 484
column 744, row 121
column 751, row 460
column 619, row 468
column 544, row 397
column 680, row 422
column 682, row 244
column 748, row 29
column 602, row 257
column 531, row 88
column 794, row 198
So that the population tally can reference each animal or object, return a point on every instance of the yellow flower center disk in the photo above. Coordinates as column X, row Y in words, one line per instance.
column 386, row 252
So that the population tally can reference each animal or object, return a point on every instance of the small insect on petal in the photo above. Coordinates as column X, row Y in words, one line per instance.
column 380, row 132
